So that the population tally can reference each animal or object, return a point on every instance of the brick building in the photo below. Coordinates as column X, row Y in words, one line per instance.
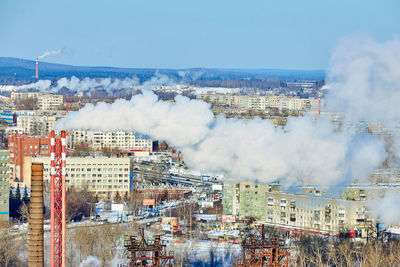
column 21, row 146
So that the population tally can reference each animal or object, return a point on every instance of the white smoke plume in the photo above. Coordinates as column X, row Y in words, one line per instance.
column 50, row 53
column 109, row 85
column 90, row 261
column 364, row 85
column 190, row 75
column 88, row 84
column 303, row 150
column 364, row 80
column 156, row 81
column 41, row 85
column 387, row 208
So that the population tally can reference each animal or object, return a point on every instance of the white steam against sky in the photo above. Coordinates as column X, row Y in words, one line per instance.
column 363, row 82
column 50, row 53
column 88, row 84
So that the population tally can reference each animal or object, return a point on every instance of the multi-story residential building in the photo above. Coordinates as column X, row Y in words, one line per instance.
column 118, row 140
column 257, row 102
column 295, row 211
column 246, row 199
column 369, row 191
column 18, row 96
column 99, row 175
column 4, row 187
column 386, row 175
column 50, row 101
column 36, row 124
column 21, row 146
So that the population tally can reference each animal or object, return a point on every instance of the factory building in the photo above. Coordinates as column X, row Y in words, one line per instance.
column 4, row 187
column 99, row 175
column 117, row 140
column 21, row 146
column 271, row 206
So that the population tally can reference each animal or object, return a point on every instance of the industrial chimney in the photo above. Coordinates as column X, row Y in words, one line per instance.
column 37, row 68
column 35, row 254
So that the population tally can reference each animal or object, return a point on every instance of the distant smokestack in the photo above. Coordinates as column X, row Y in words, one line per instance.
column 37, row 68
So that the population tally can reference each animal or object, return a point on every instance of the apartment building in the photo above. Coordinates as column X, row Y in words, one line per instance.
column 21, row 146
column 50, row 101
column 296, row 211
column 246, row 199
column 118, row 140
column 18, row 96
column 99, row 175
column 257, row 102
column 4, row 187
column 36, row 124
column 369, row 191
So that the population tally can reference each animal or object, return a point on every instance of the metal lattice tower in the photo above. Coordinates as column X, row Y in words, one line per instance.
column 57, row 224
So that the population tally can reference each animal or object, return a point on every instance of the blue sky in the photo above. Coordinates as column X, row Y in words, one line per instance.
column 287, row 34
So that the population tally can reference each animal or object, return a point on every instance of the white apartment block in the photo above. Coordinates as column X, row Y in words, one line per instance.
column 50, row 101
column 36, row 124
column 316, row 213
column 99, row 175
column 294, row 211
column 18, row 96
column 118, row 140
column 256, row 102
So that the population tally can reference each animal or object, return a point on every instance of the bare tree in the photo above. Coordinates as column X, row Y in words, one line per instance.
column 9, row 248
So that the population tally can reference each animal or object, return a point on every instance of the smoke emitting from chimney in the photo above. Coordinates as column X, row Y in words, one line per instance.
column 46, row 54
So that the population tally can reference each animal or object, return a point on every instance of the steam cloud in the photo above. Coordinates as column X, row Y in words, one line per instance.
column 386, row 208
column 242, row 150
column 41, row 85
column 363, row 82
column 87, row 84
column 91, row 261
column 50, row 53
